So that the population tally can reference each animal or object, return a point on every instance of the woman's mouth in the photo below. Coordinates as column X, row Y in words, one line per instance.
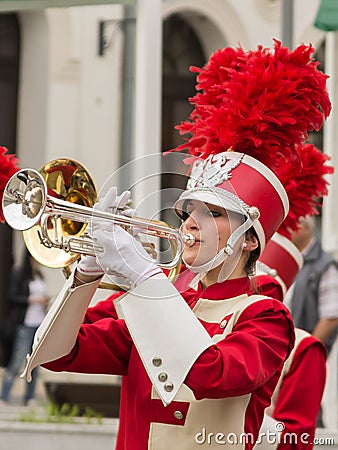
column 189, row 239
column 194, row 242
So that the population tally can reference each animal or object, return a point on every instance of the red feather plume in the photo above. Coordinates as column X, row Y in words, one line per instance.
column 262, row 103
column 8, row 167
column 305, row 185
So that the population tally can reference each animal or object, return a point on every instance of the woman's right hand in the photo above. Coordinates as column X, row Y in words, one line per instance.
column 89, row 268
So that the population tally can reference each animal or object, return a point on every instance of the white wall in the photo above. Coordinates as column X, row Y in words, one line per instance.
column 34, row 87
column 84, row 99
column 70, row 96
column 69, row 99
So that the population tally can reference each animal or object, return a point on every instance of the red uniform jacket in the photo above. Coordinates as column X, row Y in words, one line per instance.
column 300, row 395
column 244, row 364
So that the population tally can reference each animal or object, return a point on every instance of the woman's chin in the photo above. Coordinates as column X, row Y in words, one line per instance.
column 188, row 261
column 196, row 257
column 194, row 261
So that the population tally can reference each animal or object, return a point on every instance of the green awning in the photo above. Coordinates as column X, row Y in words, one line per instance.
column 15, row 5
column 327, row 15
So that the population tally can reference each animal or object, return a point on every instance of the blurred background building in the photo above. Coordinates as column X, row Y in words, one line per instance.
column 104, row 82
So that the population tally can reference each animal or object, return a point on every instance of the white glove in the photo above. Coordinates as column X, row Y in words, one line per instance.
column 124, row 255
column 89, row 265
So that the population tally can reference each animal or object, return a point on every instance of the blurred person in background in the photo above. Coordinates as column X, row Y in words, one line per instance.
column 312, row 298
column 294, row 267
column 296, row 401
column 28, row 299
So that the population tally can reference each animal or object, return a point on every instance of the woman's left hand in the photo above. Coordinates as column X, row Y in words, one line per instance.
column 124, row 255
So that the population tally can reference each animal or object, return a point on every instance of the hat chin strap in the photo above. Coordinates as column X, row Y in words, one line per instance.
column 223, row 254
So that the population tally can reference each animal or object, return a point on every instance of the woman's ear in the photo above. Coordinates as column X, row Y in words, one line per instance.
column 250, row 243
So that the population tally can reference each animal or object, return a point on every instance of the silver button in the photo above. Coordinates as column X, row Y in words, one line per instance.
column 157, row 361
column 254, row 213
column 163, row 377
column 223, row 324
column 168, row 387
column 178, row 415
column 273, row 273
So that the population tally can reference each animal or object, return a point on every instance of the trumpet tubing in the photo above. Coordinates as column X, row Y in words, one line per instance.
column 26, row 204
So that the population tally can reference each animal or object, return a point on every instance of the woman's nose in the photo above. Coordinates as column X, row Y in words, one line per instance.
column 191, row 223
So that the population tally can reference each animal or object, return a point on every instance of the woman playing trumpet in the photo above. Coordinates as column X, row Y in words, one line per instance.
column 200, row 365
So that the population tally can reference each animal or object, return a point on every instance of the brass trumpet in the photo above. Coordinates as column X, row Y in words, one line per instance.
column 27, row 205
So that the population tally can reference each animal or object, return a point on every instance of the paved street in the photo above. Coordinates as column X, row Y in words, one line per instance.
column 20, row 427
column 18, row 391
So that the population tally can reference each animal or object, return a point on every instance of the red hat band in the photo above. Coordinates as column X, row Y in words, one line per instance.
column 281, row 259
column 242, row 184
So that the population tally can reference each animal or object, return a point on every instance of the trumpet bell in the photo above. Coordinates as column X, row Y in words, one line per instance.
column 25, row 199
column 68, row 180
column 51, row 257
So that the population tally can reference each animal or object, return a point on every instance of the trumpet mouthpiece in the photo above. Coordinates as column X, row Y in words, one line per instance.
column 189, row 240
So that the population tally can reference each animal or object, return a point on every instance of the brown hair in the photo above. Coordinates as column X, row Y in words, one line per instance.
column 250, row 266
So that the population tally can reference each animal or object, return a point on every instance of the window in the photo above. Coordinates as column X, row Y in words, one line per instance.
column 181, row 49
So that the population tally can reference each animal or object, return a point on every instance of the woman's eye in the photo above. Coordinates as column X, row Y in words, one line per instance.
column 214, row 213
column 184, row 215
